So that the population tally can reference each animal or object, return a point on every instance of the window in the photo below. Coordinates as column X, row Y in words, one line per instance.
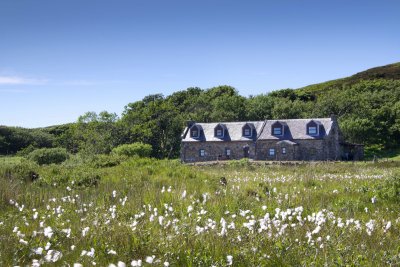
column 227, row 152
column 277, row 130
column 218, row 132
column 283, row 150
column 195, row 133
column 247, row 132
column 272, row 151
column 312, row 130
column 202, row 152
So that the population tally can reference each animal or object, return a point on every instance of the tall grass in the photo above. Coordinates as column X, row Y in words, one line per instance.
column 184, row 216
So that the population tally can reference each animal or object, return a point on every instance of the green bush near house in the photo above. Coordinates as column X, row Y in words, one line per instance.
column 48, row 155
column 19, row 169
column 136, row 149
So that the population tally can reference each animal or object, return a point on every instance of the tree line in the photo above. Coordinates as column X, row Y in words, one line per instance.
column 368, row 113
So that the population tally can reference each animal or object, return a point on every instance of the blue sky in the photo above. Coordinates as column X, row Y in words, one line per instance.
column 59, row 59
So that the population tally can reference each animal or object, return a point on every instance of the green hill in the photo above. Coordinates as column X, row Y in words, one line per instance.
column 388, row 72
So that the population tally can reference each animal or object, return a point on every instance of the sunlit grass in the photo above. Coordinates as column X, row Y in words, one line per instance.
column 178, row 215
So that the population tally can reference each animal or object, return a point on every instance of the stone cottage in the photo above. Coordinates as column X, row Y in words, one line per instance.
column 275, row 140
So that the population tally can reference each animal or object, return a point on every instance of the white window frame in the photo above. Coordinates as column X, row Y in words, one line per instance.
column 273, row 152
column 219, row 133
column 202, row 153
column 248, row 130
column 283, row 150
column 280, row 128
column 195, row 131
column 316, row 130
column 228, row 151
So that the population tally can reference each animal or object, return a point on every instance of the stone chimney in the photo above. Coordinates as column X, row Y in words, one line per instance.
column 334, row 118
column 190, row 123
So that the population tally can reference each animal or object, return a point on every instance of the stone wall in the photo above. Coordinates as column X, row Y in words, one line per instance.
column 190, row 151
column 317, row 149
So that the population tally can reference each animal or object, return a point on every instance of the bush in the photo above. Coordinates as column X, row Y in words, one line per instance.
column 48, row 155
column 21, row 169
column 391, row 187
column 135, row 149
column 104, row 161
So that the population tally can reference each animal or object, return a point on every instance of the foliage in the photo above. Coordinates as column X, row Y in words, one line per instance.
column 391, row 187
column 367, row 106
column 48, row 155
column 18, row 169
column 13, row 139
column 114, row 159
column 135, row 149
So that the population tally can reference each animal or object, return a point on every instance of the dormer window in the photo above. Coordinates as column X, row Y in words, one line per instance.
column 277, row 129
column 219, row 131
column 195, row 132
column 313, row 128
column 247, row 130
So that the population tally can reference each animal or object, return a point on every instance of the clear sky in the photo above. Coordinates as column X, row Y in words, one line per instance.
column 59, row 59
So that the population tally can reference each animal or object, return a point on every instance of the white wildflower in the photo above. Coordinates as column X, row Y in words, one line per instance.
column 35, row 263
column 53, row 256
column 370, row 226
column 48, row 232
column 229, row 259
column 388, row 225
column 85, row 230
column 150, row 259
column 112, row 252
column 136, row 263
column 189, row 209
column 38, row 251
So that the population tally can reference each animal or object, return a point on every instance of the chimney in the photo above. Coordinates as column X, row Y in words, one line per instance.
column 190, row 123
column 334, row 117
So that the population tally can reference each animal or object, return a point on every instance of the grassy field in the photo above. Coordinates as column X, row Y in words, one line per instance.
column 144, row 212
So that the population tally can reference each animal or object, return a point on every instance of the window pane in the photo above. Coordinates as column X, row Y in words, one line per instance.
column 272, row 151
column 246, row 132
column 277, row 131
column 219, row 132
column 202, row 152
column 194, row 133
column 312, row 130
column 228, row 152
column 283, row 150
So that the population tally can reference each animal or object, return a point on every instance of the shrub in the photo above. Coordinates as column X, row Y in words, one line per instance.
column 48, row 155
column 104, row 161
column 390, row 189
column 21, row 169
column 135, row 149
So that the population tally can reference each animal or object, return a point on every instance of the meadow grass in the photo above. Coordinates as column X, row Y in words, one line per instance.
column 164, row 213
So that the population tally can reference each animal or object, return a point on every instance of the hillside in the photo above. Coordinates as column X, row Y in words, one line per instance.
column 388, row 72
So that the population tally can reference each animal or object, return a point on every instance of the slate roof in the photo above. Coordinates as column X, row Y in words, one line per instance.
column 293, row 129
column 233, row 131
column 297, row 129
